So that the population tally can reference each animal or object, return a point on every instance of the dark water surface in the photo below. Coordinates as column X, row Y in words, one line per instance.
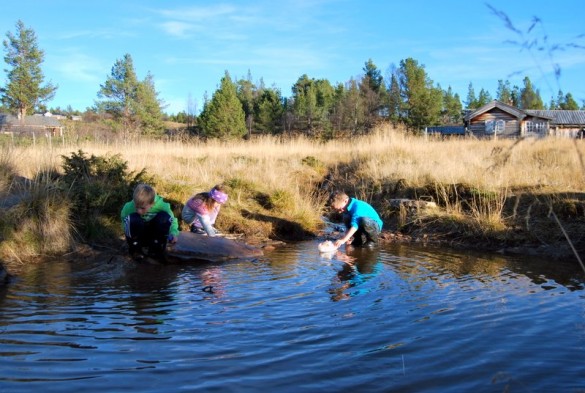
column 403, row 319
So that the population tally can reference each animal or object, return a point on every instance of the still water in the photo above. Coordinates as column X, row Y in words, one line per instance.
column 400, row 319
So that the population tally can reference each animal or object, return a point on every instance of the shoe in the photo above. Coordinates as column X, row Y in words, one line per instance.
column 196, row 230
column 137, row 256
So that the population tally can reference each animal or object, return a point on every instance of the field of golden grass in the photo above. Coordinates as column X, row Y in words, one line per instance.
column 484, row 188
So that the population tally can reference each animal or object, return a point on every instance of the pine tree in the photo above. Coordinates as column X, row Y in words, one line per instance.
column 132, row 104
column 471, row 101
column 452, row 107
column 25, row 91
column 504, row 92
column 422, row 102
column 530, row 98
column 148, row 107
column 484, row 98
column 570, row 103
column 223, row 116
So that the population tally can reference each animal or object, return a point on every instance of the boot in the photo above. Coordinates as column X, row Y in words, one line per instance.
column 157, row 250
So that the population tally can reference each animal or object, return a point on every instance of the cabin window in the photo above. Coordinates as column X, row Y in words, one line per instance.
column 494, row 126
column 535, row 127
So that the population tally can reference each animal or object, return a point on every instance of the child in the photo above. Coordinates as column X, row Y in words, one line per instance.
column 360, row 219
column 148, row 221
column 202, row 209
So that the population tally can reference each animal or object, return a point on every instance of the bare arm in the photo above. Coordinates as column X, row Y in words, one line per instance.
column 345, row 238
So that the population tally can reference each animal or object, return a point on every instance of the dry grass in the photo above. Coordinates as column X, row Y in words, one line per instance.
column 282, row 178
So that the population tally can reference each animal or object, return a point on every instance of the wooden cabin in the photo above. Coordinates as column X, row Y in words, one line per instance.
column 36, row 124
column 497, row 119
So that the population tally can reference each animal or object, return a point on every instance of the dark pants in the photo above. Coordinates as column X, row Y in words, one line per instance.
column 151, row 234
column 368, row 231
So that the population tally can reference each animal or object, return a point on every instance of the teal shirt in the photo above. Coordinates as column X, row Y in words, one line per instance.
column 159, row 206
column 357, row 209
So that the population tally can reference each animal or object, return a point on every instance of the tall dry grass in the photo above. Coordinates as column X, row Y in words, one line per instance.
column 289, row 171
column 387, row 153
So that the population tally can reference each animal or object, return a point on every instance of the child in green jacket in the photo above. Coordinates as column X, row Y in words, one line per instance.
column 148, row 222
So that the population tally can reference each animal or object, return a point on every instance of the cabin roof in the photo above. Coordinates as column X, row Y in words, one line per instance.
column 513, row 111
column 34, row 120
column 560, row 117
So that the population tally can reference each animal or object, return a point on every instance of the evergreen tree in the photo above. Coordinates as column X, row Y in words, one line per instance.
column 313, row 102
column 269, row 112
column 452, row 108
column 132, row 104
column 352, row 108
column 570, row 103
column 148, row 107
column 530, row 98
column 394, row 99
column 247, row 91
column 223, row 116
column 560, row 100
column 484, row 98
column 471, row 101
column 422, row 102
column 373, row 77
column 504, row 92
column 516, row 96
column 24, row 91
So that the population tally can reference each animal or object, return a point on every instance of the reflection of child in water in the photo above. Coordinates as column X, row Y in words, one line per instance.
column 213, row 281
column 360, row 266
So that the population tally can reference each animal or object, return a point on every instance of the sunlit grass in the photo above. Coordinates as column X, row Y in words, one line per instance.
column 288, row 178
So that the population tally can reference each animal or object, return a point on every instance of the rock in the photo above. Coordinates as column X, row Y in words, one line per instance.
column 411, row 204
column 197, row 247
column 4, row 276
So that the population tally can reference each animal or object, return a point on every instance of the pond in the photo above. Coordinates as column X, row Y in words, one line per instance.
column 400, row 319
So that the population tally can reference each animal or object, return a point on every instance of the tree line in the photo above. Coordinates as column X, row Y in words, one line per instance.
column 241, row 108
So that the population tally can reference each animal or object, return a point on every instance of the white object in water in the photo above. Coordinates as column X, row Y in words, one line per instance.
column 327, row 246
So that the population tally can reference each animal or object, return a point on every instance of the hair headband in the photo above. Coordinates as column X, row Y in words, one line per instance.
column 218, row 196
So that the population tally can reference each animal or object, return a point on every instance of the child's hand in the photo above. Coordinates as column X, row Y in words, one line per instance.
column 172, row 239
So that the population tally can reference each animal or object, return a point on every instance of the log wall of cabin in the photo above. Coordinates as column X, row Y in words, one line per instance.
column 511, row 129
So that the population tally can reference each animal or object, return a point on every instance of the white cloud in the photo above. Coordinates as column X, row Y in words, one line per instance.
column 178, row 29
column 77, row 67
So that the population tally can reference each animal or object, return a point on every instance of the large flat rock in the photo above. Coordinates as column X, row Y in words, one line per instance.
column 196, row 247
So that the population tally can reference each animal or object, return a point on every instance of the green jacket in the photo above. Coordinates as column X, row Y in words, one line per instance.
column 159, row 206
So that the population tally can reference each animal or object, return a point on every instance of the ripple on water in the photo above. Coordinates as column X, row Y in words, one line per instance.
column 398, row 318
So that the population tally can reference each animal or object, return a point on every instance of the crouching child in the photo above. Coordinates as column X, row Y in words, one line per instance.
column 148, row 223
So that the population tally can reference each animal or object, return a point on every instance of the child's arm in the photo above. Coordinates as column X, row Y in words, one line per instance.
column 206, row 224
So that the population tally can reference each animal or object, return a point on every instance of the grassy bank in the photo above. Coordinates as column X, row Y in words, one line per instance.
column 499, row 193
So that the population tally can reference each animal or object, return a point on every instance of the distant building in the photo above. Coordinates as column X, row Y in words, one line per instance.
column 497, row 119
column 37, row 124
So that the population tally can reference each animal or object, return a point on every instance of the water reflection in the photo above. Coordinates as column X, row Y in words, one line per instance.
column 359, row 265
column 152, row 293
column 460, row 264
column 397, row 318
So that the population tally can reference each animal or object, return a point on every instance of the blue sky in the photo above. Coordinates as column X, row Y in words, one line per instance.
column 187, row 45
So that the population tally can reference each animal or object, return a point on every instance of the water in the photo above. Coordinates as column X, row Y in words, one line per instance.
column 402, row 319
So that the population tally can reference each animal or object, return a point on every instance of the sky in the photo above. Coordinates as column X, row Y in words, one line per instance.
column 188, row 45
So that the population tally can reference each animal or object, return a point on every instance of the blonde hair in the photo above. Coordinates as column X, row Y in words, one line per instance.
column 143, row 195
column 338, row 197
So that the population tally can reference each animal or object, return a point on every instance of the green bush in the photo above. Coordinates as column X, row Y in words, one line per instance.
column 98, row 188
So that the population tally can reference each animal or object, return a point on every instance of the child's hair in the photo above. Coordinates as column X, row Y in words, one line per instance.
column 217, row 194
column 143, row 195
column 337, row 197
